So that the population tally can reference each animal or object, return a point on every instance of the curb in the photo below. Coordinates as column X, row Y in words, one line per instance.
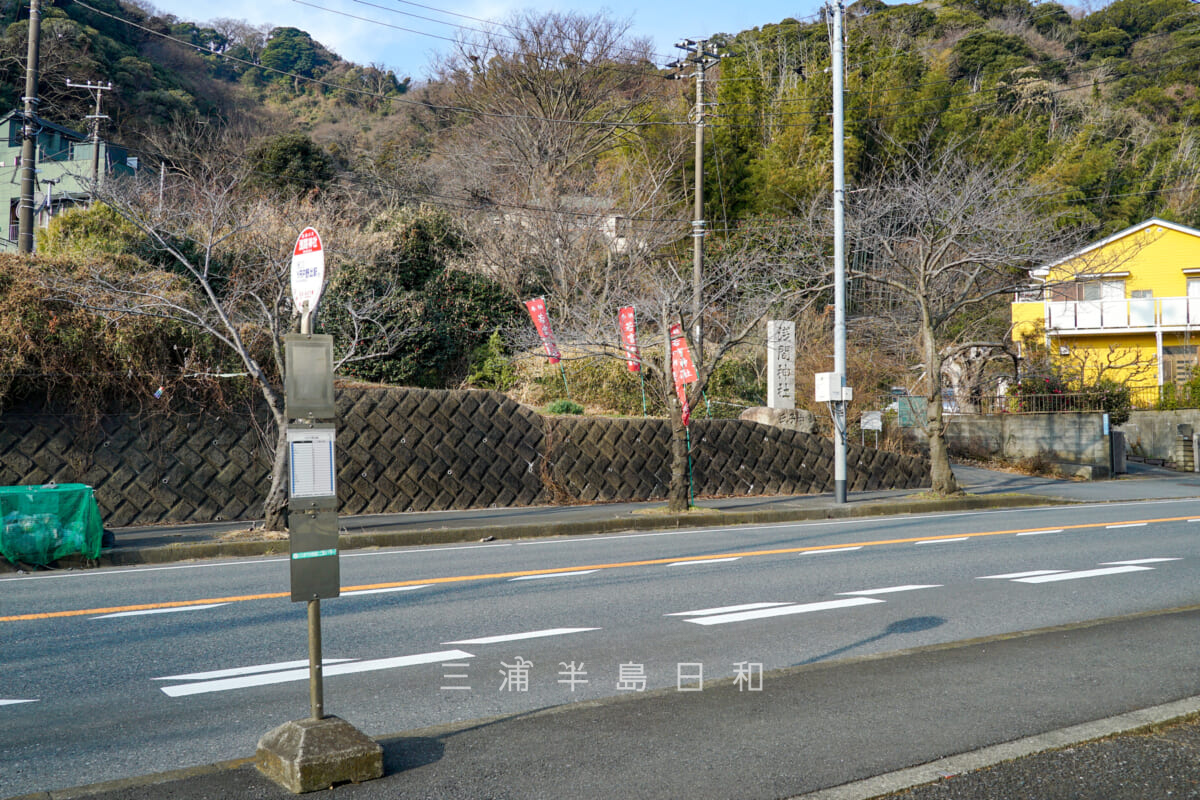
column 81, row 792
column 900, row 780
column 400, row 538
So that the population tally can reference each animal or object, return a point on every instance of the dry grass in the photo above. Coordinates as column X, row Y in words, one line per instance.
column 253, row 535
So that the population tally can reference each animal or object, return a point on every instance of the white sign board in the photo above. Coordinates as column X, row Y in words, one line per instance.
column 308, row 270
column 310, row 457
column 872, row 421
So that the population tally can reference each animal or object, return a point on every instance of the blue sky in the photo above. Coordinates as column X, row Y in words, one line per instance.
column 365, row 41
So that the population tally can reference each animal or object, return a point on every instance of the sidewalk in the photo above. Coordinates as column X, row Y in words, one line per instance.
column 985, row 489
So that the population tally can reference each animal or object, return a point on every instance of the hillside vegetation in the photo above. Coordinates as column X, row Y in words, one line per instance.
column 550, row 157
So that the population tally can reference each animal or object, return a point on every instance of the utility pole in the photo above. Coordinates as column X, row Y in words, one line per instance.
column 839, row 258
column 701, row 58
column 29, row 133
column 99, row 89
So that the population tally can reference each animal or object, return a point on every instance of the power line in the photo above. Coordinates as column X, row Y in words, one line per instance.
column 378, row 95
column 492, row 30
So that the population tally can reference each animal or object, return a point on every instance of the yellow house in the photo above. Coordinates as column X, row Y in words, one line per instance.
column 1126, row 308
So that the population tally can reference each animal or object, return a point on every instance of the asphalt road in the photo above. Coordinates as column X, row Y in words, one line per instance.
column 140, row 670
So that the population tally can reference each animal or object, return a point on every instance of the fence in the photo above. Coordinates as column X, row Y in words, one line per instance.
column 1143, row 398
column 1037, row 403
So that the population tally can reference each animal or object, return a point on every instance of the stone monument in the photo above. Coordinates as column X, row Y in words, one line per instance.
column 781, row 411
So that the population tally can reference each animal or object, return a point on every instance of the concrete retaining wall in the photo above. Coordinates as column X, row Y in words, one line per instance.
column 1067, row 438
column 1153, row 434
column 401, row 449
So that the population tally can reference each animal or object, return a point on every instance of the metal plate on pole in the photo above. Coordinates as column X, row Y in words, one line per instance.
column 308, row 380
column 316, row 572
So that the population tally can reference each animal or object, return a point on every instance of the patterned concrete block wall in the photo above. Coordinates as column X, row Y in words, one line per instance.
column 419, row 450
column 594, row 459
column 414, row 450
column 190, row 468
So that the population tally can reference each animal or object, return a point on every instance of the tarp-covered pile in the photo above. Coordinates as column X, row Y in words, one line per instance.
column 41, row 524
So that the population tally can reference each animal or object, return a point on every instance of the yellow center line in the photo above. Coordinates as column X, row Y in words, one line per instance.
column 617, row 565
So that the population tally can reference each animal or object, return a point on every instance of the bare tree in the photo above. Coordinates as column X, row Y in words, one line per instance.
column 549, row 93
column 946, row 238
column 565, row 150
column 770, row 272
column 222, row 266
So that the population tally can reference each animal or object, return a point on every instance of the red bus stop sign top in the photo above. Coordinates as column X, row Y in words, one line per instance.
column 308, row 270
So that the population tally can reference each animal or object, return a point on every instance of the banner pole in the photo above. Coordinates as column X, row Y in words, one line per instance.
column 691, row 481
column 566, row 388
column 642, row 375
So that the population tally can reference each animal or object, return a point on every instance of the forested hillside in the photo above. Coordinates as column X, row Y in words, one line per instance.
column 550, row 156
column 1099, row 111
column 1096, row 109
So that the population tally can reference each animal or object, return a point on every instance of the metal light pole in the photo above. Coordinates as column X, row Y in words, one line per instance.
column 839, row 259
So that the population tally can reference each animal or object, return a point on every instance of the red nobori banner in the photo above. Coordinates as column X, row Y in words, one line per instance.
column 541, row 321
column 626, row 322
column 682, row 369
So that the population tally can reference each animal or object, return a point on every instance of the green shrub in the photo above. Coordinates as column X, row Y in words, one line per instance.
column 1113, row 398
column 564, row 407
column 490, row 366
column 603, row 383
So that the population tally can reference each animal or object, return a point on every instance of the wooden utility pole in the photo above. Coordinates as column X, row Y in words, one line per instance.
column 700, row 57
column 96, row 118
column 29, row 133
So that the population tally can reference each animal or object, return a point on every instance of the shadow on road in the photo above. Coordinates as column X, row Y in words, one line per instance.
column 410, row 752
column 900, row 626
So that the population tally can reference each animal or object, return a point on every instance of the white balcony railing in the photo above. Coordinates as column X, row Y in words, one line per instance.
column 1112, row 315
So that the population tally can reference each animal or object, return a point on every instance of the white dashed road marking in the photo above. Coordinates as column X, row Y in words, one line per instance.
column 516, row 637
column 554, row 575
column 386, row 590
column 345, row 668
column 891, row 589
column 251, row 670
column 144, row 612
column 831, row 550
column 1087, row 573
column 1008, row 576
column 724, row 609
column 779, row 611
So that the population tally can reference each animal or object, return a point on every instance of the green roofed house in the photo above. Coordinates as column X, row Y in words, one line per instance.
column 63, row 171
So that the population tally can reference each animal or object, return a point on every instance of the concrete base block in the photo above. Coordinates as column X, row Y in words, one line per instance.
column 1089, row 472
column 795, row 419
column 310, row 754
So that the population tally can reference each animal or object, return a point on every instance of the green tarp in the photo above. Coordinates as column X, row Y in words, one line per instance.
column 44, row 523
